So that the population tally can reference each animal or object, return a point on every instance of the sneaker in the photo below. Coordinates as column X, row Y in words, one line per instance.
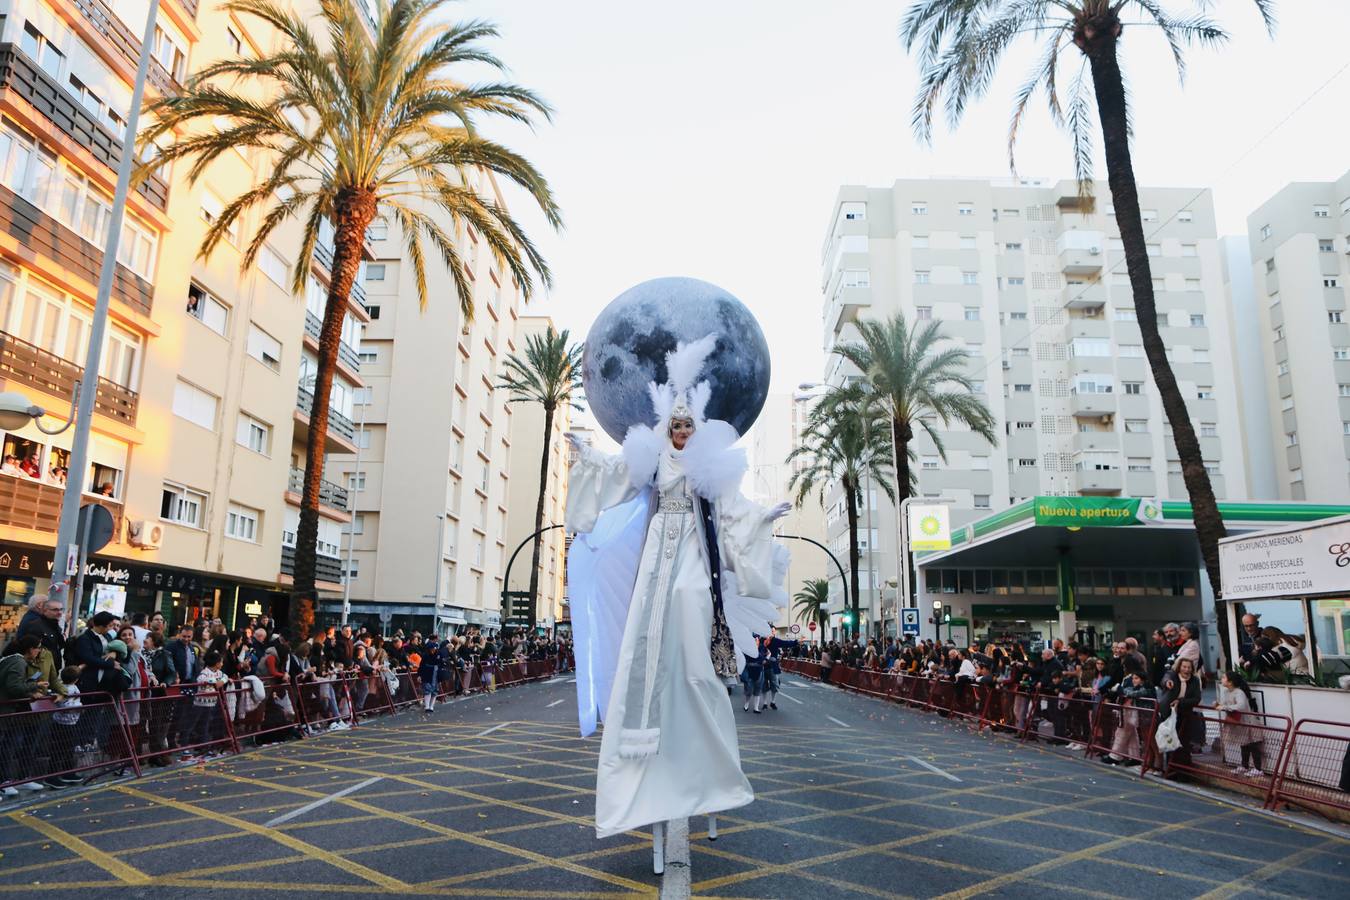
column 1077, row 746
column 32, row 786
column 746, row 707
column 10, row 792
column 55, row 784
column 1256, row 773
column 1238, row 770
column 773, row 706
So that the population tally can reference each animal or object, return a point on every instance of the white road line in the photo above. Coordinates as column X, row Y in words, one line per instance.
column 947, row 775
column 786, row 696
column 556, row 702
column 485, row 732
column 571, row 681
column 837, row 722
column 675, row 883
column 320, row 802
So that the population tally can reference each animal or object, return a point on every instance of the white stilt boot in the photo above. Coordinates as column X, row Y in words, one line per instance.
column 659, row 848
column 712, row 828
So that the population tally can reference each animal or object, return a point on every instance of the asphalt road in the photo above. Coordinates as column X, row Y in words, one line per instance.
column 493, row 797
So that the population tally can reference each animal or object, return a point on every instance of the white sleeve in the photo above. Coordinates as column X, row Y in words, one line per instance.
column 597, row 482
column 745, row 536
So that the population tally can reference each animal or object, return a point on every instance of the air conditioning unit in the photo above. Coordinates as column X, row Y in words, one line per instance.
column 143, row 534
column 1095, row 251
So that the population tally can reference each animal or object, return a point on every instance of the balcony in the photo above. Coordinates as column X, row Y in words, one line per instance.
column 24, row 365
column 333, row 496
column 125, row 41
column 341, row 431
column 1083, row 296
column 1091, row 403
column 348, row 356
column 70, row 253
column 1096, row 441
column 35, row 505
column 326, row 568
column 1081, row 252
column 1099, row 481
column 25, row 79
column 323, row 255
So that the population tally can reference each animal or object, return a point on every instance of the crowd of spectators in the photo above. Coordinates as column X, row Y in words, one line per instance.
column 259, row 672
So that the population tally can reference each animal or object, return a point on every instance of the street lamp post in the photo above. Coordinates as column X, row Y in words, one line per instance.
column 937, row 621
column 84, row 412
column 351, row 526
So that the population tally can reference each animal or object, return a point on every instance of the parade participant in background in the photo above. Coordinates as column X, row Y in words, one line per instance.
column 706, row 569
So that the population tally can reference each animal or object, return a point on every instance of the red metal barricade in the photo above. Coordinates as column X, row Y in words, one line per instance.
column 263, row 713
column 408, row 691
column 325, row 702
column 47, row 742
column 1243, row 750
column 1123, row 732
column 1315, row 770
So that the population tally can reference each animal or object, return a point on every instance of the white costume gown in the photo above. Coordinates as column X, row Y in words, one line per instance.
column 669, row 746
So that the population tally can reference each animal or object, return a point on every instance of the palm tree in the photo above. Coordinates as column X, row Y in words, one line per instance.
column 356, row 127
column 915, row 382
column 811, row 602
column 549, row 374
column 960, row 43
column 844, row 442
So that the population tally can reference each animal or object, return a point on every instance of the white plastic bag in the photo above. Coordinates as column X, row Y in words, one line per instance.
column 1166, row 735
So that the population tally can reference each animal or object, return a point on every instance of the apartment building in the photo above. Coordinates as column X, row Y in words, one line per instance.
column 429, row 532
column 527, row 445
column 1299, row 241
column 1031, row 281
column 201, row 416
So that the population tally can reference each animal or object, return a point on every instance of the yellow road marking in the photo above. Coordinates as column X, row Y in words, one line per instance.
column 1251, row 880
column 286, row 840
column 86, row 851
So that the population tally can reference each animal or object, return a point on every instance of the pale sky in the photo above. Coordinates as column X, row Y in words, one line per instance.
column 708, row 139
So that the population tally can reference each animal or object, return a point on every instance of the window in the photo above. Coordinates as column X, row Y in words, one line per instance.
column 1090, row 347
column 254, row 434
column 1200, row 355
column 1333, row 316
column 1331, row 281
column 1340, row 352
column 1148, row 215
column 979, row 464
column 1270, row 265
column 1291, row 438
column 1265, row 232
column 363, row 396
column 1132, row 387
column 1189, row 250
column 363, row 438
column 273, row 266
column 928, row 462
column 359, row 523
column 212, row 208
column 40, row 49
column 1209, row 429
column 1326, row 246
column 965, row 209
column 1345, row 428
column 1138, row 464
column 972, row 313
column 1279, row 334
column 369, row 357
column 353, row 568
column 967, row 242
column 1321, row 211
column 1021, row 351
column 923, row 313
column 236, row 44
column 919, row 208
column 1136, row 426
column 264, row 348
column 1192, row 284
column 1025, row 463
column 110, row 117
column 1013, row 247
column 919, row 242
column 981, row 501
column 1093, row 384
column 356, row 482
column 1126, row 314
column 1185, row 215
column 1204, row 392
column 1282, row 368
column 170, row 53
column 1132, row 351
column 182, row 505
column 378, row 231
column 921, row 277
column 1016, row 316
column 1154, row 249
column 977, row 387
column 1021, row 388
column 207, row 309
column 194, row 404
column 375, row 271
column 1198, row 320
column 1026, row 426
column 970, row 277
column 241, row 523
column 373, row 311
column 1017, row 281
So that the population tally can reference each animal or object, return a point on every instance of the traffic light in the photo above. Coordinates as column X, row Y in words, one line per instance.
column 848, row 618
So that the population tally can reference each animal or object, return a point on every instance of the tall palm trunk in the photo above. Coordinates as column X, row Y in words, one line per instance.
column 354, row 212
column 1099, row 39
column 850, row 491
column 539, row 508
column 901, row 435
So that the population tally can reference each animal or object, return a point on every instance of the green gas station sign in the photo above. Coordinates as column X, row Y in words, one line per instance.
column 1097, row 512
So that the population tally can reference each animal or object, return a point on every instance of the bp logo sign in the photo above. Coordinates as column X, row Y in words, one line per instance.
column 929, row 527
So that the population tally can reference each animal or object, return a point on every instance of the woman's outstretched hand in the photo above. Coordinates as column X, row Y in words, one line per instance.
column 779, row 511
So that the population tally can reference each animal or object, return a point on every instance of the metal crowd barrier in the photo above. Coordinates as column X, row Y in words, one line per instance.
column 1267, row 756
column 153, row 726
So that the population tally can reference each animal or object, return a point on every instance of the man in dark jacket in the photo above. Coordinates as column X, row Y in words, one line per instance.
column 184, row 655
column 43, row 621
column 342, row 647
column 91, row 652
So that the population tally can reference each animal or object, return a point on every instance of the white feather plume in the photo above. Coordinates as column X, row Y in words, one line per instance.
column 685, row 362
column 642, row 449
column 712, row 466
column 698, row 400
column 663, row 400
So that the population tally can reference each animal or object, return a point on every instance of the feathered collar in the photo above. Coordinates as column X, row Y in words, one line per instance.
column 713, row 467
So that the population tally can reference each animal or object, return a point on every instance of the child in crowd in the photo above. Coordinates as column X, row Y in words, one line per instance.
column 65, row 730
column 209, row 724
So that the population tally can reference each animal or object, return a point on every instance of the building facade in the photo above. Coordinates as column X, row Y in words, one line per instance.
column 429, row 532
column 1031, row 280
column 1299, row 241
column 200, row 419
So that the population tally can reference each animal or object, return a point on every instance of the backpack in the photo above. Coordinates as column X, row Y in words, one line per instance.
column 115, row 681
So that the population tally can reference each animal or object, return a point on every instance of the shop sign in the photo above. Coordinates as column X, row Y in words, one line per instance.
column 1305, row 561
column 930, row 527
column 21, row 563
column 1097, row 512
column 909, row 620
column 253, row 608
